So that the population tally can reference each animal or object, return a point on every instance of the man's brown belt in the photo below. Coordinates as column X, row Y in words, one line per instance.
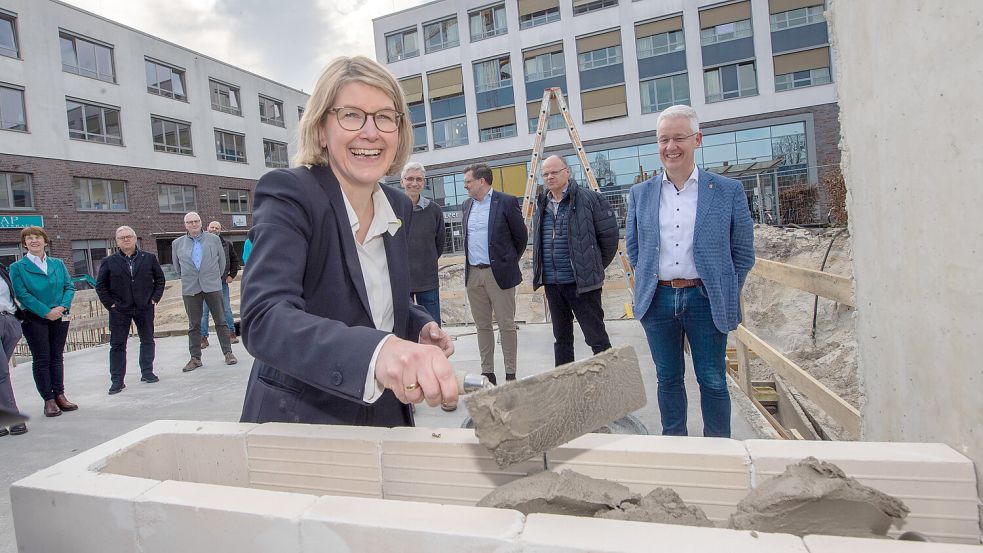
column 682, row 282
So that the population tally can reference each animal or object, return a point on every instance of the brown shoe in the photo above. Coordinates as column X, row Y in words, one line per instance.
column 64, row 404
column 192, row 364
column 204, row 342
column 233, row 338
column 230, row 359
column 51, row 408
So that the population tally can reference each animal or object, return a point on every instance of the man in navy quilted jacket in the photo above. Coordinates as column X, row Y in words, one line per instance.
column 575, row 236
column 691, row 241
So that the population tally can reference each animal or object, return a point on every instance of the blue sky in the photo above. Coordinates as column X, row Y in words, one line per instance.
column 287, row 41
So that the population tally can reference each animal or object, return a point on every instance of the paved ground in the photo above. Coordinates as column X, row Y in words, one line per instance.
column 214, row 392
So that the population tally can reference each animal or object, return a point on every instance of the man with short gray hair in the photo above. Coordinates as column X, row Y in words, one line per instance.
column 130, row 285
column 200, row 261
column 426, row 241
column 691, row 241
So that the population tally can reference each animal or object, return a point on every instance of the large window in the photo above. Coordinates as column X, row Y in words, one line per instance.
column 662, row 43
column 487, row 22
column 15, row 191
column 541, row 17
column 13, row 116
column 601, row 57
column 271, row 111
column 93, row 122
column 176, row 198
column 799, row 79
column 230, row 146
column 450, row 132
column 402, row 45
column 165, row 80
column 492, row 74
column 100, row 195
column 171, row 136
column 582, row 7
column 441, row 34
column 725, row 32
column 233, row 201
column 225, row 97
column 494, row 133
column 87, row 255
column 87, row 58
column 8, row 35
column 658, row 94
column 730, row 81
column 544, row 66
column 275, row 154
column 797, row 18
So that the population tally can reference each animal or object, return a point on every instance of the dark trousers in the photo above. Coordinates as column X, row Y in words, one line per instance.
column 429, row 300
column 194, row 306
column 119, row 332
column 10, row 333
column 47, row 342
column 564, row 304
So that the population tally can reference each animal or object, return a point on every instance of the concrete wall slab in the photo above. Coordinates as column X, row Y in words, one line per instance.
column 836, row 544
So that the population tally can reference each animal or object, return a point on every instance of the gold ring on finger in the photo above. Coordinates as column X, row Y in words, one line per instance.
column 412, row 387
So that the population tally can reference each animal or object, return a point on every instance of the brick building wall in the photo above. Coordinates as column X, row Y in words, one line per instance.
column 53, row 190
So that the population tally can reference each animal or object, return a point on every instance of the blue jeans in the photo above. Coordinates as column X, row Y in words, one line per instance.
column 226, row 302
column 676, row 312
column 429, row 300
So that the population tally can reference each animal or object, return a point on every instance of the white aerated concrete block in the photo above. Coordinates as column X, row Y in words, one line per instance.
column 202, row 518
column 316, row 459
column 710, row 473
column 835, row 544
column 338, row 524
column 445, row 465
column 934, row 481
column 73, row 510
column 560, row 534
column 207, row 452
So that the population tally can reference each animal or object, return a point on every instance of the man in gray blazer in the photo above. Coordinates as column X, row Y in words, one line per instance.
column 199, row 260
column 691, row 241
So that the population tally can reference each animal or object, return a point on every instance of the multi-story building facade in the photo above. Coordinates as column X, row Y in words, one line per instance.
column 757, row 71
column 102, row 125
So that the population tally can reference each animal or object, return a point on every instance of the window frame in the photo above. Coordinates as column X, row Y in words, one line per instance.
column 103, row 138
column 175, row 70
column 712, row 35
column 781, row 21
column 486, row 32
column 606, row 61
column 446, row 121
column 277, row 120
column 740, row 89
column 90, row 184
column 402, row 34
column 242, row 197
column 23, row 108
column 593, row 6
column 7, row 183
column 76, row 69
column 234, row 158
column 781, row 85
column 497, row 133
column 653, row 51
column 446, row 43
column 163, row 186
column 91, row 268
column 554, row 71
column 534, row 19
column 212, row 93
column 268, row 151
column 11, row 18
column 553, row 118
column 167, row 148
column 675, row 99
column 502, row 69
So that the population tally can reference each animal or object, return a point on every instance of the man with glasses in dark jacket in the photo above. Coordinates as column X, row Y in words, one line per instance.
column 130, row 284
column 575, row 236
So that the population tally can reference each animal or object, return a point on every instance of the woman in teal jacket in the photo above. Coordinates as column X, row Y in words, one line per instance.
column 45, row 291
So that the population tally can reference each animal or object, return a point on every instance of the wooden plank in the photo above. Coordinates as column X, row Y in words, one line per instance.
column 841, row 411
column 771, row 419
column 835, row 287
column 791, row 415
column 743, row 368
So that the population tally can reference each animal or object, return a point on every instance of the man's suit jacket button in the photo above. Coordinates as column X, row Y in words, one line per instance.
column 336, row 378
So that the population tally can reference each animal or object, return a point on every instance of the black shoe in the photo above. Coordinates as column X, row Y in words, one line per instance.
column 509, row 377
column 18, row 429
column 116, row 389
column 491, row 378
column 3, row 432
column 149, row 378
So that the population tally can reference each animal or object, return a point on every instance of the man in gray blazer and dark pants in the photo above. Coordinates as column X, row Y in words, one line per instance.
column 199, row 260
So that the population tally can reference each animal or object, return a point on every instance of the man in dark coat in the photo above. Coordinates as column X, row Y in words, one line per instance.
column 575, row 236
column 130, row 284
